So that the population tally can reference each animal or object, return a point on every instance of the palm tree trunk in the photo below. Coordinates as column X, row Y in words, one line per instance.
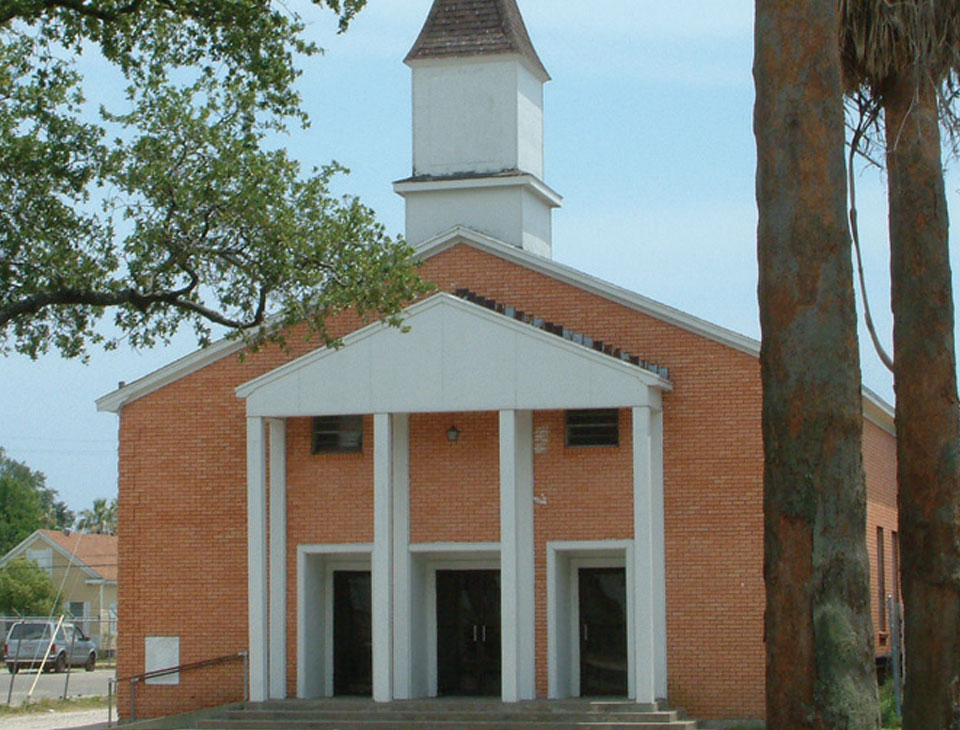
column 819, row 638
column 927, row 418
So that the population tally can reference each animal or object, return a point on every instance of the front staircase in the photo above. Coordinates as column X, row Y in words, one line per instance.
column 442, row 714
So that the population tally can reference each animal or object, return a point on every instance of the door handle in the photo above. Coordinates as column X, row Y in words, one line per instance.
column 484, row 633
column 474, row 633
column 586, row 632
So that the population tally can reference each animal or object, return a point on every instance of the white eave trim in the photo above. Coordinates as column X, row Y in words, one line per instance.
column 581, row 280
column 442, row 299
column 537, row 186
column 540, row 73
column 113, row 402
column 878, row 411
column 73, row 560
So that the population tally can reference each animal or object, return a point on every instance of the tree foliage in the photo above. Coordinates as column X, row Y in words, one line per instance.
column 27, row 504
column 100, row 519
column 179, row 208
column 26, row 589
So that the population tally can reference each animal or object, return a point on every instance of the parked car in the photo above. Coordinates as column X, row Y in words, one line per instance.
column 28, row 642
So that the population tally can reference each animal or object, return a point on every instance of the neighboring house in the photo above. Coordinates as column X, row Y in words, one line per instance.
column 83, row 568
column 549, row 487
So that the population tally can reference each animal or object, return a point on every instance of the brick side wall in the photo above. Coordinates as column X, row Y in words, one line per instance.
column 182, row 551
column 880, row 464
column 183, row 498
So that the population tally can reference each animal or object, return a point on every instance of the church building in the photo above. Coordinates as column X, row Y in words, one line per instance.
column 549, row 487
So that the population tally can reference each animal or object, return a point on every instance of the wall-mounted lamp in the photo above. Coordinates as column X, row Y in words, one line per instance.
column 453, row 434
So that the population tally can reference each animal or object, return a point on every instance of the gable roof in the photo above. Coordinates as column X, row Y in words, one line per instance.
column 475, row 28
column 876, row 409
column 434, row 368
column 96, row 555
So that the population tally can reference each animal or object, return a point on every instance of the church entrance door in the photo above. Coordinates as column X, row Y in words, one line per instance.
column 352, row 643
column 603, row 631
column 468, row 632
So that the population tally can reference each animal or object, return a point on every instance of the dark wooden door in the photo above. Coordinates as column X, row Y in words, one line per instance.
column 352, row 634
column 468, row 632
column 603, row 631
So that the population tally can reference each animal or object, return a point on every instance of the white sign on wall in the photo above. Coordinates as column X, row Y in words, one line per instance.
column 162, row 652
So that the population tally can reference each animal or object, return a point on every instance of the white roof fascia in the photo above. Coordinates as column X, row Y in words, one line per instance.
column 582, row 280
column 100, row 582
column 113, row 402
column 291, row 369
column 876, row 409
column 74, row 561
column 19, row 547
column 549, row 195
column 475, row 60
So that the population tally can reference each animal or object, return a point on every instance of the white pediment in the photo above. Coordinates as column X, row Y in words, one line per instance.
column 456, row 356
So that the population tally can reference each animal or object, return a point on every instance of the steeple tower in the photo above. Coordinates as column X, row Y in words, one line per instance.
column 478, row 127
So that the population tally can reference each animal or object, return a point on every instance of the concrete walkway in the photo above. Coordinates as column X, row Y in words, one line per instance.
column 85, row 720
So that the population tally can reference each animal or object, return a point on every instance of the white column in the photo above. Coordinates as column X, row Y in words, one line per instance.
column 517, row 620
column 659, row 555
column 257, row 556
column 402, row 567
column 382, row 560
column 644, row 596
column 278, row 559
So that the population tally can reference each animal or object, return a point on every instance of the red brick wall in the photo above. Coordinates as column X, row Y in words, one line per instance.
column 880, row 464
column 183, row 497
column 182, row 547
column 454, row 487
column 182, row 508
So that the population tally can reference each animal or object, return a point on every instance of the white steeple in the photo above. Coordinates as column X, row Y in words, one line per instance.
column 478, row 127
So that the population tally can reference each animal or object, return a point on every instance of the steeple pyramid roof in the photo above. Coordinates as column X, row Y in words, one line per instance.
column 475, row 28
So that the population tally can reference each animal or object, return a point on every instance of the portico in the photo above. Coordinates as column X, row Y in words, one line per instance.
column 456, row 357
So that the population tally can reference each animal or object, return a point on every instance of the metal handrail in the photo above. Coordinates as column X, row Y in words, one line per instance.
column 114, row 682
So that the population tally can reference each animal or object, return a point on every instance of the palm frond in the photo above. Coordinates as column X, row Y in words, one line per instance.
column 883, row 38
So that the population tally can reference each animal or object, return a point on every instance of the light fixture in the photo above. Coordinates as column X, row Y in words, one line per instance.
column 453, row 434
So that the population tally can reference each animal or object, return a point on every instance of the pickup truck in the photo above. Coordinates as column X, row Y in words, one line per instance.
column 28, row 645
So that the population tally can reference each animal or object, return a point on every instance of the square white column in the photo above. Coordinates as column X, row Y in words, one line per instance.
column 257, row 557
column 382, row 559
column 278, row 559
column 517, row 619
column 644, row 583
column 402, row 565
column 659, row 555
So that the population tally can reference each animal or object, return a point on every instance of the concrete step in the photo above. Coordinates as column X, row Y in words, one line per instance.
column 444, row 714
column 451, row 724
column 455, row 704
column 270, row 715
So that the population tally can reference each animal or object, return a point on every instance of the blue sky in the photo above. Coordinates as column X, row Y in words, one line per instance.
column 648, row 138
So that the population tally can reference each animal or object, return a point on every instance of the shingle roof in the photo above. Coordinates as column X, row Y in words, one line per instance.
column 97, row 552
column 475, row 28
